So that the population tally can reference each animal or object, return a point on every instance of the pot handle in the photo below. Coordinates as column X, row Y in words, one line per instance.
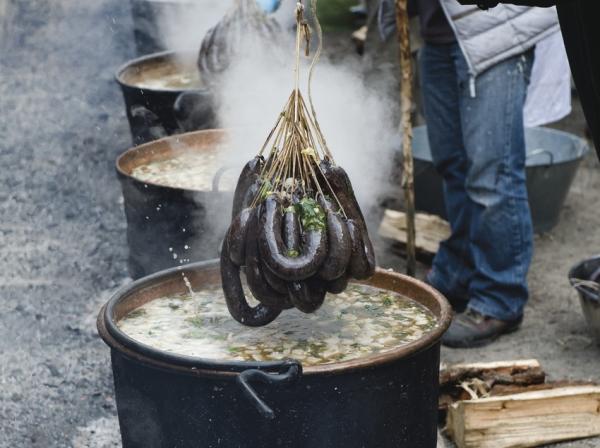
column 289, row 372
column 217, row 177
column 539, row 151
column 193, row 110
column 145, row 124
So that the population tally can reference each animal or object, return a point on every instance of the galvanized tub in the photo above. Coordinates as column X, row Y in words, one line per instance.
column 552, row 161
column 589, row 297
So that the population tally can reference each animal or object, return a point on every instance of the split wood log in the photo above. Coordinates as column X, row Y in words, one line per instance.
column 430, row 230
column 526, row 419
column 468, row 381
column 406, row 98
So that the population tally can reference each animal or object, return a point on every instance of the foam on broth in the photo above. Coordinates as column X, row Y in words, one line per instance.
column 361, row 321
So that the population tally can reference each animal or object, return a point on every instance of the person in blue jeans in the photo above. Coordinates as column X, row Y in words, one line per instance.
column 475, row 69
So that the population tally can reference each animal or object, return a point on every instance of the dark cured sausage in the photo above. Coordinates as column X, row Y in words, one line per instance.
column 248, row 176
column 339, row 242
column 273, row 251
column 291, row 231
column 236, row 300
column 340, row 183
column 291, row 240
column 362, row 264
column 275, row 282
column 307, row 296
column 254, row 276
column 338, row 285
column 236, row 236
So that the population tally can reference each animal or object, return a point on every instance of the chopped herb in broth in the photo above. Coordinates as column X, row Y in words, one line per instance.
column 188, row 170
column 361, row 321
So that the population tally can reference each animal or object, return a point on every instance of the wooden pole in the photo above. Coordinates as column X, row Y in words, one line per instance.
column 406, row 95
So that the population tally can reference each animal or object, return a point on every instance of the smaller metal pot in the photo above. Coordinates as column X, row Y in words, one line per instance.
column 166, row 225
column 156, row 112
column 589, row 297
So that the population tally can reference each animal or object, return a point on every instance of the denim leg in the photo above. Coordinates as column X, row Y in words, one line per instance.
column 441, row 98
column 500, row 230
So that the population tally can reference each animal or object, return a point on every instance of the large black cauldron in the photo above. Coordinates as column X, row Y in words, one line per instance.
column 155, row 110
column 166, row 222
column 165, row 400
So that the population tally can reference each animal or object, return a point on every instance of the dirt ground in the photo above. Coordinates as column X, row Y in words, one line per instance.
column 62, row 231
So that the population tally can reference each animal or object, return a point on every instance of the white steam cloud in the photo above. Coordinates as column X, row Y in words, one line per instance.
column 357, row 119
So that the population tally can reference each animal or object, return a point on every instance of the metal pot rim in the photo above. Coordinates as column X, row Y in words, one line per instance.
column 143, row 59
column 150, row 146
column 118, row 340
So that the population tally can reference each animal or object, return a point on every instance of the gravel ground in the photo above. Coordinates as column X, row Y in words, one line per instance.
column 62, row 232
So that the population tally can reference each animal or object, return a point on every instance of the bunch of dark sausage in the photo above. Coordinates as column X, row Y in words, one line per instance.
column 287, row 265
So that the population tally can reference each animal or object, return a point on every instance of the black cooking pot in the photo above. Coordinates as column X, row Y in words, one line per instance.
column 552, row 161
column 167, row 226
column 155, row 112
column 167, row 400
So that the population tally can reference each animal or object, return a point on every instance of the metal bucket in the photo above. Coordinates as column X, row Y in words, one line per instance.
column 588, row 271
column 552, row 161
column 166, row 400
column 167, row 225
column 155, row 112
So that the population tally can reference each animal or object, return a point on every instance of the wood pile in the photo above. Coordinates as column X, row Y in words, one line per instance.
column 510, row 405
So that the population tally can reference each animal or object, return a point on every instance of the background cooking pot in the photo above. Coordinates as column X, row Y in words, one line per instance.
column 583, row 276
column 167, row 400
column 154, row 110
column 552, row 161
column 165, row 225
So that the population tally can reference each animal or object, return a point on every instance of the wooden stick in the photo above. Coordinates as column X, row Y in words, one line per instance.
column 406, row 104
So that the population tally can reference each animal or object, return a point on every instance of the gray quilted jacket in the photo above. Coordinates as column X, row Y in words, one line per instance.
column 486, row 37
column 489, row 37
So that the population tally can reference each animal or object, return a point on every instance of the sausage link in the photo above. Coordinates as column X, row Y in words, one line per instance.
column 236, row 236
column 248, row 176
column 235, row 298
column 340, row 244
column 254, row 275
column 308, row 295
column 274, row 253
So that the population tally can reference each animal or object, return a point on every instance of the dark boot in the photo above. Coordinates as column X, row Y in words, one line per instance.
column 472, row 329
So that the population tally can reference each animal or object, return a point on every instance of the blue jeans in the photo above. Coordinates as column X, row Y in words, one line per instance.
column 477, row 142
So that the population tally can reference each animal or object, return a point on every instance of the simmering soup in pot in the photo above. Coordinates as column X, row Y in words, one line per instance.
column 361, row 321
column 188, row 170
column 167, row 74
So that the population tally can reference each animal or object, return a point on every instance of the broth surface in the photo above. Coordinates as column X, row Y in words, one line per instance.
column 361, row 321
column 165, row 75
column 189, row 170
